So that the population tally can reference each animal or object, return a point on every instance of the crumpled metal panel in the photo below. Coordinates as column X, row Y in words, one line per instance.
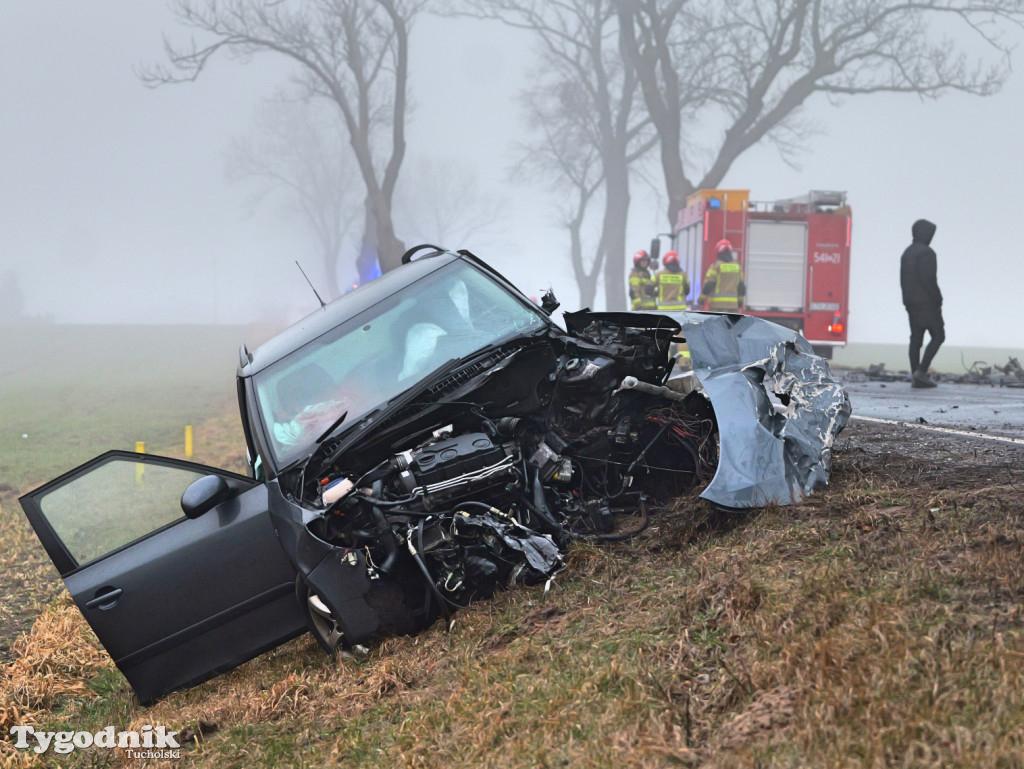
column 766, row 454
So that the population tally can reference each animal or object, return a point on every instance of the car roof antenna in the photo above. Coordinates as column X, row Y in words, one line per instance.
column 323, row 304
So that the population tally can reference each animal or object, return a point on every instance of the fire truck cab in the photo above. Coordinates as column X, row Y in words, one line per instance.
column 795, row 255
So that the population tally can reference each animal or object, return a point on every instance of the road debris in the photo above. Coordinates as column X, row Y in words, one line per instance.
column 1011, row 374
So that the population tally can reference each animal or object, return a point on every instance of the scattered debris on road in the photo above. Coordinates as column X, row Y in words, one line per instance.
column 1011, row 374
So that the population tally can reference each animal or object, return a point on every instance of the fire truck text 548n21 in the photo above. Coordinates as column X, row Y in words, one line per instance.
column 827, row 257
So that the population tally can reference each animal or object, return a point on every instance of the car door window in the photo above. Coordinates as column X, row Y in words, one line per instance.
column 117, row 503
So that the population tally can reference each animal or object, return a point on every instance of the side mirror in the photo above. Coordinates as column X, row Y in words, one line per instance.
column 204, row 494
column 548, row 303
column 655, row 251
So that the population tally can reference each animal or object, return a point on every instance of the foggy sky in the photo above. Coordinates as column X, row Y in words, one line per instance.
column 115, row 206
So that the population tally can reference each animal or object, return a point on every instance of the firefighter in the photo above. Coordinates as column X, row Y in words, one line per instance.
column 673, row 288
column 673, row 284
column 723, row 287
column 641, row 284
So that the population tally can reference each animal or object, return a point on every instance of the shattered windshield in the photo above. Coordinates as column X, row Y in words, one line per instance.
column 378, row 354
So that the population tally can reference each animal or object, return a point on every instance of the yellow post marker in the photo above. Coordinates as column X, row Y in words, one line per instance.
column 188, row 441
column 140, row 468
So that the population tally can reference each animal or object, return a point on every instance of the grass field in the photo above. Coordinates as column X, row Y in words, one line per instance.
column 878, row 624
column 69, row 393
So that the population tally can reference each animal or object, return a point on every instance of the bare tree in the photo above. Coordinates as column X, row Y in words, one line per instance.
column 750, row 65
column 563, row 154
column 298, row 155
column 580, row 48
column 354, row 53
column 440, row 200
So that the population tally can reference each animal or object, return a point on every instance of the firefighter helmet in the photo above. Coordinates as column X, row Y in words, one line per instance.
column 640, row 256
column 671, row 257
column 722, row 245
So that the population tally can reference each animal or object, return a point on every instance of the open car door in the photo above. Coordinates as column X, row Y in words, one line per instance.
column 174, row 600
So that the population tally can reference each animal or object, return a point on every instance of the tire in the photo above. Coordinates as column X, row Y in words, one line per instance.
column 319, row 620
column 386, row 599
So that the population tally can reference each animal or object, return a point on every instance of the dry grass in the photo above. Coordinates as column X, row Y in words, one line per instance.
column 878, row 624
column 52, row 664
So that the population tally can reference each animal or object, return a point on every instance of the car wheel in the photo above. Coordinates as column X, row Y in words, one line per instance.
column 321, row 621
column 385, row 598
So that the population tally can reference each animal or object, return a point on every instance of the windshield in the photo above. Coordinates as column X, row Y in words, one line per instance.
column 369, row 359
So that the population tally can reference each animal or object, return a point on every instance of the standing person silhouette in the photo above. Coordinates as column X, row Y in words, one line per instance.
column 923, row 300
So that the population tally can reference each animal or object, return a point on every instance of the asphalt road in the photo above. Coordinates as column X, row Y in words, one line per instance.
column 971, row 408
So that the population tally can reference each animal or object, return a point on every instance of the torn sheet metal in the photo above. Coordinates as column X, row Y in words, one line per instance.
column 766, row 454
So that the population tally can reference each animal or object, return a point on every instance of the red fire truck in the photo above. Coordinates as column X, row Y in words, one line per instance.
column 795, row 255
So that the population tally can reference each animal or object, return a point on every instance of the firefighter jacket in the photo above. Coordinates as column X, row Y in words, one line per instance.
column 673, row 287
column 723, row 287
column 641, row 290
column 917, row 269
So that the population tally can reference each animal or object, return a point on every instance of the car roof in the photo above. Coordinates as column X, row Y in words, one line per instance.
column 340, row 310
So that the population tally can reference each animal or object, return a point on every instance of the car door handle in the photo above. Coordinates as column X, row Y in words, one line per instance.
column 109, row 597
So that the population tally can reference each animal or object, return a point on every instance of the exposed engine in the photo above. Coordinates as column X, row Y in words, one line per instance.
column 551, row 443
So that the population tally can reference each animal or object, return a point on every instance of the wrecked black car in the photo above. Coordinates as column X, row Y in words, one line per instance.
column 420, row 443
